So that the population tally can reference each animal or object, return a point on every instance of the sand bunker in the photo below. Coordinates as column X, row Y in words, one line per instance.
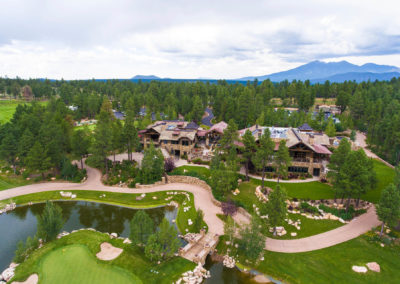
column 33, row 279
column 108, row 252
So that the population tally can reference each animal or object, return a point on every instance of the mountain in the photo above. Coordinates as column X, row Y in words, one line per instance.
column 145, row 77
column 317, row 70
column 358, row 77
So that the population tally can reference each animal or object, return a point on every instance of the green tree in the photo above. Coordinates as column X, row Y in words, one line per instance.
column 37, row 159
column 282, row 160
column 198, row 109
column 80, row 143
column 230, row 135
column 276, row 207
column 152, row 168
column 353, row 135
column 129, row 131
column 252, row 241
column 167, row 238
column 117, row 140
column 8, row 150
column 248, row 150
column 229, row 228
column 342, row 100
column 50, row 222
column 330, row 129
column 397, row 177
column 388, row 209
column 263, row 155
column 142, row 227
column 337, row 160
column 153, row 248
column 356, row 176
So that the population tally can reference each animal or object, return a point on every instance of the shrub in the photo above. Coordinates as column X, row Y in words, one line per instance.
column 199, row 161
column 305, row 207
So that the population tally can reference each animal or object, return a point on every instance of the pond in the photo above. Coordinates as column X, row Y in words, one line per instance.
column 20, row 223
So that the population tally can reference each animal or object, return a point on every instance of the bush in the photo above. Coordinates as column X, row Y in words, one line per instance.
column 341, row 213
column 305, row 207
column 199, row 161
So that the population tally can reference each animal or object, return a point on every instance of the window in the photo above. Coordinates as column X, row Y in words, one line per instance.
column 174, row 142
column 185, row 143
column 298, row 170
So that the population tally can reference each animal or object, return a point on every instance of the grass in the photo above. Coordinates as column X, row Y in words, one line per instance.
column 309, row 227
column 7, row 109
column 130, row 265
column 9, row 181
column 332, row 265
column 121, row 199
column 322, row 101
column 58, row 265
column 385, row 176
column 89, row 128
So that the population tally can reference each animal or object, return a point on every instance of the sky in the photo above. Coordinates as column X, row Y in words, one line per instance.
column 83, row 39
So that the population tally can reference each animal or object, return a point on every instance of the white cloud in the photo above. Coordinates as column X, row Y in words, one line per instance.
column 189, row 39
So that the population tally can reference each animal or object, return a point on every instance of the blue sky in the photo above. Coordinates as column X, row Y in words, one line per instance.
column 191, row 39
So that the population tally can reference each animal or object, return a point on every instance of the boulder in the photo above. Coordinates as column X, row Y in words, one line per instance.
column 373, row 266
column 113, row 235
column 8, row 274
column 359, row 269
column 127, row 241
column 293, row 234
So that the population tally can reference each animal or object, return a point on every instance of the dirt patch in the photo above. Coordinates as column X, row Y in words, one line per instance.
column 261, row 279
column 33, row 279
column 108, row 252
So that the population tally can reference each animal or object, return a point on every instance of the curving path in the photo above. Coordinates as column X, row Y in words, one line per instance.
column 203, row 200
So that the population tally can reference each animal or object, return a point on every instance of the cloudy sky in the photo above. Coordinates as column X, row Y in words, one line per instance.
column 80, row 39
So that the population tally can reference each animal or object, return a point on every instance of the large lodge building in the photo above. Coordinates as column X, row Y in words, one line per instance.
column 307, row 148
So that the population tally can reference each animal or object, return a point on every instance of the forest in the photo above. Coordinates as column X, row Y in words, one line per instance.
column 371, row 107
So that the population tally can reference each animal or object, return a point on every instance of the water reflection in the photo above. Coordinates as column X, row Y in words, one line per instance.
column 22, row 222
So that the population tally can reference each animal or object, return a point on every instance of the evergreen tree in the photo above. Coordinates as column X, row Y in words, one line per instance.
column 50, row 222
column 230, row 135
column 248, row 150
column 252, row 241
column 142, row 227
column 152, row 168
column 388, row 209
column 337, row 160
column 153, row 248
column 229, row 228
column 167, row 238
column 330, row 129
column 276, row 207
column 198, row 221
column 129, row 132
column 263, row 156
column 37, row 159
column 282, row 160
column 80, row 143
column 8, row 150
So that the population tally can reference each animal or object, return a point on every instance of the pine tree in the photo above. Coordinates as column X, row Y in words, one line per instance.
column 80, row 143
column 167, row 238
column 252, row 241
column 276, row 207
column 388, row 209
column 50, row 222
column 330, row 129
column 8, row 150
column 248, row 150
column 37, row 159
column 337, row 160
column 282, row 160
column 142, row 227
column 263, row 156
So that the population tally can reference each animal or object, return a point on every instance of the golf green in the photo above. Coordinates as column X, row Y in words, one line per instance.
column 75, row 264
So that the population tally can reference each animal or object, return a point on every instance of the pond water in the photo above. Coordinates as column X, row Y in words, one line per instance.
column 20, row 223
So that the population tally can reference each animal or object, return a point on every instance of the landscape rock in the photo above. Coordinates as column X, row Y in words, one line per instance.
column 8, row 274
column 359, row 269
column 113, row 235
column 373, row 266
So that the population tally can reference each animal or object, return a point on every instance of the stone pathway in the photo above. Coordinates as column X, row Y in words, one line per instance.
column 203, row 201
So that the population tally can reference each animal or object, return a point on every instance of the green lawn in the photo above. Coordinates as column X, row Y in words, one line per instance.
column 78, row 264
column 385, row 176
column 7, row 109
column 10, row 181
column 308, row 227
column 332, row 265
column 76, row 260
column 89, row 128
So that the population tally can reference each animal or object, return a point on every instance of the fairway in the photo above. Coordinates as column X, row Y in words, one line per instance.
column 75, row 264
column 7, row 109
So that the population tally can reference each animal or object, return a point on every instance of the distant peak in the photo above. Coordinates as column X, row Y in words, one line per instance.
column 146, row 77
